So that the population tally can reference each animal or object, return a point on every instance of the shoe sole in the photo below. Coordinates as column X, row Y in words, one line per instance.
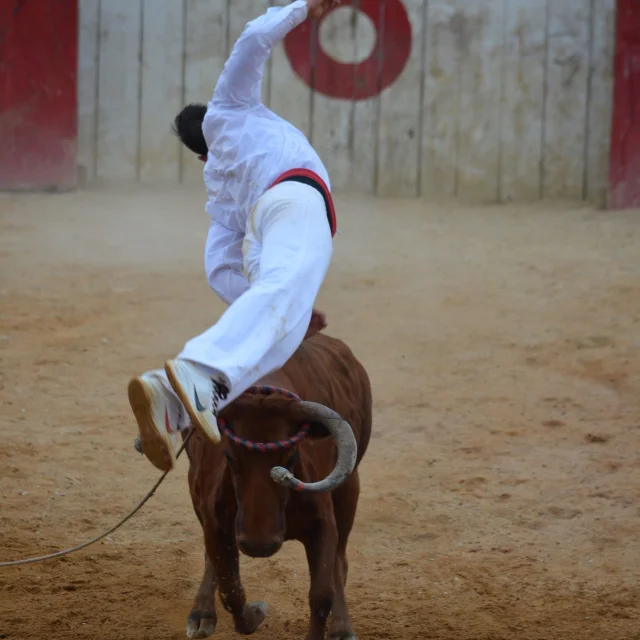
column 157, row 445
column 199, row 420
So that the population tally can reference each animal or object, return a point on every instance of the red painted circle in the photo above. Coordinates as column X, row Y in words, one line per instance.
column 354, row 81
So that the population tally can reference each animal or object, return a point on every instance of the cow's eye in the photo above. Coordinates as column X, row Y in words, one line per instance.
column 228, row 458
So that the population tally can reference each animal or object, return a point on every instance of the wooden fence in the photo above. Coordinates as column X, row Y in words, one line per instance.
column 489, row 100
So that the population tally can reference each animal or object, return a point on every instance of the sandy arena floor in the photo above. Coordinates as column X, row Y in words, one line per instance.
column 501, row 491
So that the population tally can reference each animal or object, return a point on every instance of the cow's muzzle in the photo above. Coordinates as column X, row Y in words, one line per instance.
column 259, row 550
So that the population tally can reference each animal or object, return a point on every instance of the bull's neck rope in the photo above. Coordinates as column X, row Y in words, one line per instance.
column 278, row 445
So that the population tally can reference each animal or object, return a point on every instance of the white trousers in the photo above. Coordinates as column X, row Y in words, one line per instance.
column 287, row 250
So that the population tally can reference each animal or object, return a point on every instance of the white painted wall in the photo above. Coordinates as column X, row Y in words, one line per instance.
column 500, row 99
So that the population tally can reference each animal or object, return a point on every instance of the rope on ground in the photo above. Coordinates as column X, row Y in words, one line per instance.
column 66, row 552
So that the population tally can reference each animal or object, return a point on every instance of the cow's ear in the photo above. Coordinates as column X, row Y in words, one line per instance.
column 318, row 431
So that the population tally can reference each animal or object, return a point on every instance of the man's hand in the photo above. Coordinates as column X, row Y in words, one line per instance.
column 318, row 323
column 317, row 7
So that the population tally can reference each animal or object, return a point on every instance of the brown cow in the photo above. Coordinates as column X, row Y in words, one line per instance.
column 241, row 507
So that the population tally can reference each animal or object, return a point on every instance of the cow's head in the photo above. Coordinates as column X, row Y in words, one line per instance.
column 261, row 502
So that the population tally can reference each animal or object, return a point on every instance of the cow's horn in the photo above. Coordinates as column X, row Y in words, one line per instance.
column 347, row 452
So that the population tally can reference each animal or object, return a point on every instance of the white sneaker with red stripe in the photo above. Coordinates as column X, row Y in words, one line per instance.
column 158, row 413
column 200, row 393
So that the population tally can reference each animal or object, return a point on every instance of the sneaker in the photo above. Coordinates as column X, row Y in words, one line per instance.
column 157, row 414
column 200, row 394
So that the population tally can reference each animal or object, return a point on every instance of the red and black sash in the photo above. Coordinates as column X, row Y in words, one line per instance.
column 312, row 179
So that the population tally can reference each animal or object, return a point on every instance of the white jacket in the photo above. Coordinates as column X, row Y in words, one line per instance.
column 249, row 147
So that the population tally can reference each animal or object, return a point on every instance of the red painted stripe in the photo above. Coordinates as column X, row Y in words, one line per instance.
column 38, row 95
column 624, row 162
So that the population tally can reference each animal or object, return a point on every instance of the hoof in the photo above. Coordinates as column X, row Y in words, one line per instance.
column 254, row 615
column 343, row 636
column 200, row 626
column 259, row 608
column 138, row 445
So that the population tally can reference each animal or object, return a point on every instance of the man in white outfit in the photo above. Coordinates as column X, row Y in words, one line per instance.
column 267, row 252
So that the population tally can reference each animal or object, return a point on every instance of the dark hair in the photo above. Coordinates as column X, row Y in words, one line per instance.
column 188, row 127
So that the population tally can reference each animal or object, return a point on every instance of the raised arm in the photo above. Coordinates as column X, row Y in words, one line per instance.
column 240, row 82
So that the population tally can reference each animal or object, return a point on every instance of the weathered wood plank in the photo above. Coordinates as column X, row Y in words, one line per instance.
column 400, row 108
column 365, row 113
column 523, row 100
column 333, row 117
column 88, row 52
column 205, row 53
column 478, row 29
column 119, row 89
column 162, row 54
column 566, row 99
column 441, row 103
column 600, row 100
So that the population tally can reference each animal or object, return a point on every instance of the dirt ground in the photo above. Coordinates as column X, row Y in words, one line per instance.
column 501, row 490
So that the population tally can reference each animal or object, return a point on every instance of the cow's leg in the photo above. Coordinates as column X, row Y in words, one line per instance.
column 320, row 547
column 203, row 618
column 223, row 552
column 345, row 502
